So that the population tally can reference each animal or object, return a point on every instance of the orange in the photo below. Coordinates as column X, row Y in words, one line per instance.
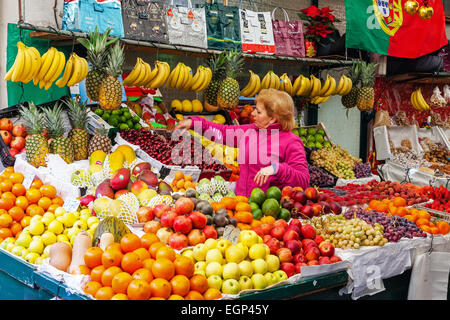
column 154, row 248
column 401, row 211
column 33, row 195
column 16, row 177
column 111, row 258
column 92, row 287
column 114, row 246
column 399, row 202
column 16, row 213
column 409, row 217
column 9, row 195
column 5, row 233
column 165, row 252
column 37, row 183
column 160, row 288
column 243, row 226
column 58, row 200
column 187, row 177
column 421, row 222
column 148, row 239
column 229, row 202
column 443, row 226
column 131, row 262
column 93, row 257
column 139, row 290
column 22, row 202
column 255, row 223
column 392, row 210
column 120, row 282
column 9, row 170
column 143, row 274
column 53, row 207
column 48, row 190
column 268, row 219
column 199, row 283
column 424, row 215
column 34, row 210
column 147, row 263
column 179, row 175
column 212, row 294
column 217, row 205
column 180, row 285
column 18, row 189
column 45, row 203
column 425, row 228
column 25, row 222
column 142, row 253
column 434, row 230
column 109, row 274
column 119, row 296
column 175, row 297
column 6, row 203
column 373, row 204
column 382, row 207
column 241, row 199
column 194, row 295
column 163, row 268
column 6, row 185
column 243, row 206
column 15, row 228
column 5, row 220
column 104, row 293
column 82, row 269
column 130, row 242
column 96, row 273
column 184, row 266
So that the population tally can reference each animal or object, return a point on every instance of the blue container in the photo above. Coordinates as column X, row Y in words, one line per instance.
column 103, row 15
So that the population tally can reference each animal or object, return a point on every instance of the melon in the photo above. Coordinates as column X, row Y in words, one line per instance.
column 112, row 225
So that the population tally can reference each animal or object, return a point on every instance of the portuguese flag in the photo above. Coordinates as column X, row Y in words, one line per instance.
column 383, row 26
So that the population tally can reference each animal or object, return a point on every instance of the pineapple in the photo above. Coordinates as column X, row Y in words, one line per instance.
column 78, row 114
column 229, row 92
column 97, row 46
column 58, row 143
column 110, row 93
column 100, row 141
column 36, row 145
column 218, row 67
column 349, row 100
column 366, row 94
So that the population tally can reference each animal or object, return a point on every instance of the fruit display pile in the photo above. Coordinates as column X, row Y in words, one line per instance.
column 120, row 118
column 13, row 136
column 313, row 137
column 440, row 197
column 336, row 160
column 319, row 177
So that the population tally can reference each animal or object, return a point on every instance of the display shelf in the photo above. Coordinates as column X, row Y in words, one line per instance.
column 422, row 78
column 66, row 36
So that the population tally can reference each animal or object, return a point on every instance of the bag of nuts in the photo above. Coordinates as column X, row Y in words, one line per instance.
column 447, row 93
column 437, row 99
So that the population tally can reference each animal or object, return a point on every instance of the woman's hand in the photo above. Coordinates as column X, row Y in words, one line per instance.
column 184, row 125
column 264, row 174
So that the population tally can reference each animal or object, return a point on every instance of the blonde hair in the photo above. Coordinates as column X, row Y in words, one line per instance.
column 278, row 104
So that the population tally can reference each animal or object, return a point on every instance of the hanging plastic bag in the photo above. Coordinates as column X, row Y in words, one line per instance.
column 437, row 99
column 382, row 119
column 447, row 93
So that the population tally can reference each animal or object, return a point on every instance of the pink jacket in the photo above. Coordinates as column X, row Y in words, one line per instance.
column 283, row 148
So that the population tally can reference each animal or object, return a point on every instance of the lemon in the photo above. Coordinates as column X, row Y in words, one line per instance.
column 176, row 104
column 187, row 105
column 179, row 117
column 220, row 119
column 197, row 105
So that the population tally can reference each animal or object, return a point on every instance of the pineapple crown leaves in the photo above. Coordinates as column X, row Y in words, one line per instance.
column 355, row 72
column 115, row 61
column 97, row 46
column 33, row 117
column 53, row 120
column 78, row 113
column 368, row 73
column 217, row 64
column 234, row 64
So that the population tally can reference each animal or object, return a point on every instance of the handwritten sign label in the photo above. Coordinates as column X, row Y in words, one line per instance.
column 71, row 205
column 231, row 233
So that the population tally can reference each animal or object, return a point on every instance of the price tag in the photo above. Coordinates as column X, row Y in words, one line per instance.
column 71, row 205
column 28, row 179
column 231, row 233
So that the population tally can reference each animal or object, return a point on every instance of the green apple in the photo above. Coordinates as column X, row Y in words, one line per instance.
column 231, row 286
column 199, row 252
column 200, row 265
column 17, row 250
column 62, row 238
column 258, row 251
column 280, row 275
column 259, row 281
column 246, row 268
column 37, row 246
column 59, row 211
column 56, row 227
column 231, row 271
column 36, row 218
column 259, row 266
column 91, row 220
column 248, row 237
column 80, row 224
column 214, row 255
column 235, row 254
column 31, row 257
column 271, row 279
column 244, row 248
column 213, row 268
column 210, row 243
column 273, row 263
column 245, row 282
column 24, row 239
column 188, row 253
column 47, row 218
column 223, row 244
column 69, row 219
column 48, row 237
column 37, row 228
column 215, row 282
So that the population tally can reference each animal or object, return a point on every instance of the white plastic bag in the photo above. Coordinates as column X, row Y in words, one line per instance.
column 437, row 99
column 447, row 93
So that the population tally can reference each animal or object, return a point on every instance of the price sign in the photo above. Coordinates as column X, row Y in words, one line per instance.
column 231, row 233
column 71, row 205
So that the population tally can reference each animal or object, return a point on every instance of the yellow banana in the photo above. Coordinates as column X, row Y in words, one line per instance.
column 76, row 72
column 46, row 63
column 86, row 69
column 148, row 71
column 151, row 76
column 37, row 61
column 142, row 73
column 36, row 76
column 53, row 67
column 297, row 83
column 181, row 77
column 331, row 88
column 285, row 84
column 198, row 78
column 250, row 87
column 59, row 69
column 325, row 86
column 133, row 75
column 257, row 86
column 28, row 69
column 305, row 86
column 340, row 85
column 18, row 70
column 161, row 77
column 173, row 77
column 266, row 81
column 413, row 100
column 349, row 85
column 316, row 86
column 67, row 73
column 188, row 82
column 10, row 72
column 276, row 81
column 208, row 78
column 421, row 101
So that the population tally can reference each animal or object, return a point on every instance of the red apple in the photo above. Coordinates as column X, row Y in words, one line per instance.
column 178, row 241
column 317, row 209
column 326, row 249
column 141, row 167
column 159, row 209
column 318, row 239
column 274, row 244
column 299, row 196
column 326, row 207
column 259, row 231
column 18, row 143
column 6, row 136
column 307, row 212
column 298, row 266
column 184, row 205
column 313, row 263
column 152, row 226
column 335, row 259
column 311, row 194
column 298, row 258
column 168, row 218
column 182, row 224
column 280, row 223
column 210, row 232
column 308, row 243
column 266, row 238
column 322, row 197
column 324, row 260
column 287, row 191
column 335, row 207
column 312, row 253
column 145, row 214
column 293, row 245
column 284, row 254
column 290, row 235
column 295, row 222
column 308, row 231
column 266, row 227
column 19, row 131
column 196, row 236
column 277, row 233
column 288, row 268
column 13, row 152
column 198, row 219
column 295, row 228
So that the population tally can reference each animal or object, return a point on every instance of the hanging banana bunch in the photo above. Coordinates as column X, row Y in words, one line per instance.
column 344, row 86
column 201, row 79
column 253, row 86
column 418, row 101
column 286, row 84
column 76, row 70
column 270, row 80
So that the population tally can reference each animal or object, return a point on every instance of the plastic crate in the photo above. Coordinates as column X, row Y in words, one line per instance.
column 9, row 112
column 7, row 159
